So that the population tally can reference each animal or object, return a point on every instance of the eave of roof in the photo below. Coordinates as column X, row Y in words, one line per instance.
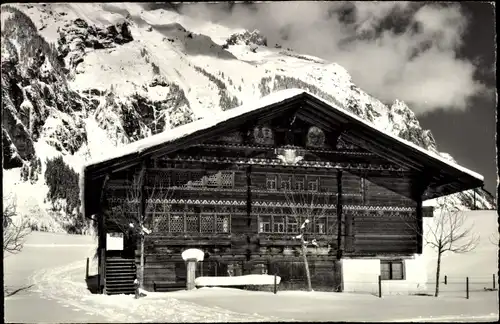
column 274, row 98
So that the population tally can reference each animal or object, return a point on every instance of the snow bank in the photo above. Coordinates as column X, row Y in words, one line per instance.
column 237, row 280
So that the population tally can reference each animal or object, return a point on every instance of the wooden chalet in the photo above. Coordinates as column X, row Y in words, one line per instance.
column 239, row 185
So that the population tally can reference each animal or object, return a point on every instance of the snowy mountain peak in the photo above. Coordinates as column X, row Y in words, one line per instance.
column 247, row 38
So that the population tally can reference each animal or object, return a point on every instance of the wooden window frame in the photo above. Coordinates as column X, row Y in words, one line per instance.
column 225, row 217
column 291, row 221
column 274, row 230
column 230, row 174
column 363, row 190
column 317, row 224
column 287, row 180
column 271, row 179
column 391, row 275
column 207, row 215
column 313, row 180
column 171, row 216
column 269, row 223
column 299, row 180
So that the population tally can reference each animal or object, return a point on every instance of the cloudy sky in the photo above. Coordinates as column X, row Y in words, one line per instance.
column 439, row 58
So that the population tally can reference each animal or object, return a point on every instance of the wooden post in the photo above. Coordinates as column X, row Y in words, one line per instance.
column 142, row 210
column 445, row 279
column 467, row 287
column 379, row 286
column 136, row 288
column 338, row 264
column 420, row 233
column 339, row 215
column 249, row 196
column 87, row 271
column 103, row 270
column 275, row 284
column 191, row 274
column 101, row 233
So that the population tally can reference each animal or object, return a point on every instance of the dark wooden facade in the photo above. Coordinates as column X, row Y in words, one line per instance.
column 240, row 194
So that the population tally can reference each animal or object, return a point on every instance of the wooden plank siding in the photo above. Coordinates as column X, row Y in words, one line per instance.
column 385, row 232
column 239, row 214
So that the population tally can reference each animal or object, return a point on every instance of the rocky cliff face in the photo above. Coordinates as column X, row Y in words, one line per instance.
column 80, row 80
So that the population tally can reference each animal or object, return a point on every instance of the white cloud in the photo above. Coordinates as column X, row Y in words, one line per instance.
column 417, row 64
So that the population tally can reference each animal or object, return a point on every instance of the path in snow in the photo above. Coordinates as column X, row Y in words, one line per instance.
column 55, row 265
column 42, row 251
column 63, row 284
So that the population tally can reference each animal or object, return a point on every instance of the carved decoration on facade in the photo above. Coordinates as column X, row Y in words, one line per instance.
column 312, row 150
column 234, row 137
column 315, row 137
column 205, row 202
column 263, row 135
column 342, row 144
column 379, row 209
column 301, row 163
column 289, row 155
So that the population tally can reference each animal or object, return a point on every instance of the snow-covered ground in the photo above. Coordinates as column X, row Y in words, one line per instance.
column 479, row 265
column 55, row 265
column 327, row 306
column 44, row 252
column 51, row 269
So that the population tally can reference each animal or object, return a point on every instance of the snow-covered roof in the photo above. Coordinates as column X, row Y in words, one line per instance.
column 405, row 142
column 273, row 98
column 184, row 130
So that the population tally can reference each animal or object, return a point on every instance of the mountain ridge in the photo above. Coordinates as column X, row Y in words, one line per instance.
column 80, row 79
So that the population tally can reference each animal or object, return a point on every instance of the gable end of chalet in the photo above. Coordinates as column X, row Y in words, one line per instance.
column 297, row 130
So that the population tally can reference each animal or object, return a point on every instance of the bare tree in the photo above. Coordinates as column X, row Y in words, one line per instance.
column 130, row 217
column 15, row 231
column 448, row 232
column 310, row 209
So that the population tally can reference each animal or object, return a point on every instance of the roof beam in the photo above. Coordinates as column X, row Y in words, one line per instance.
column 201, row 135
column 381, row 150
column 324, row 124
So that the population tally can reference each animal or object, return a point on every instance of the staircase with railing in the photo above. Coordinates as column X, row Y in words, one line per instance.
column 120, row 275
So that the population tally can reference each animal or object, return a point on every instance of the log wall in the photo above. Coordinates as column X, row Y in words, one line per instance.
column 240, row 213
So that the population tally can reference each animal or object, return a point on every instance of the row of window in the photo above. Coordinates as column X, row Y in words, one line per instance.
column 290, row 224
column 177, row 222
column 285, row 182
column 226, row 179
column 190, row 223
column 191, row 178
